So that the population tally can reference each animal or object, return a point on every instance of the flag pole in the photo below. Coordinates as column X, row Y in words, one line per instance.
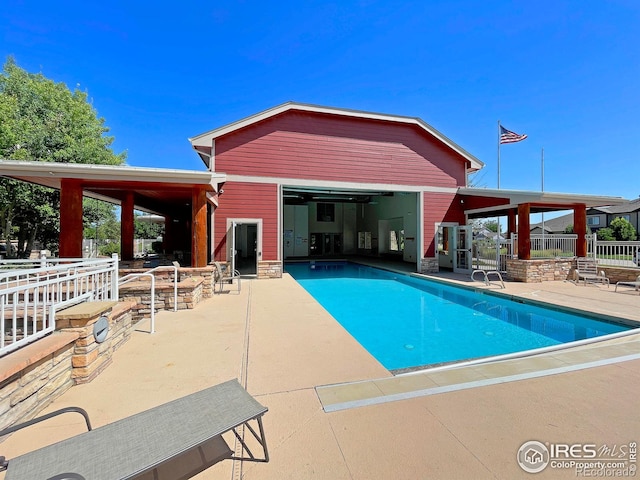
column 498, row 218
column 542, row 187
column 498, row 154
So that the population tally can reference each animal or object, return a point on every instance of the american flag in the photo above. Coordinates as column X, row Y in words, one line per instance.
column 507, row 136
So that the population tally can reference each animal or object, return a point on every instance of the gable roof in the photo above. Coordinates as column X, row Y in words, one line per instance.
column 627, row 207
column 557, row 224
column 202, row 143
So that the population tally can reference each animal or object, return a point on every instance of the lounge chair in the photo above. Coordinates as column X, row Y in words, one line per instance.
column 587, row 270
column 225, row 275
column 635, row 285
column 176, row 440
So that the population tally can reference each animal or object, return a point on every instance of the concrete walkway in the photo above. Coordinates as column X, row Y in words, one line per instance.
column 282, row 345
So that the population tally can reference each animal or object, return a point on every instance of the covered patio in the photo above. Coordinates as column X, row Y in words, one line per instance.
column 517, row 207
column 186, row 199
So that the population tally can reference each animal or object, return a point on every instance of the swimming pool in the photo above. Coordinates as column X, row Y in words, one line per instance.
column 407, row 322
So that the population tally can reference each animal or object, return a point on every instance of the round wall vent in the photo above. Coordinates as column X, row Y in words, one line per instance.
column 101, row 329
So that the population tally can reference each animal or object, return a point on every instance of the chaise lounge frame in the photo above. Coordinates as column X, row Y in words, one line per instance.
column 176, row 440
column 587, row 270
column 635, row 285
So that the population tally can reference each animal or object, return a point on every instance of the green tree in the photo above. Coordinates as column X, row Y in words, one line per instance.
column 41, row 120
column 622, row 229
column 147, row 230
column 568, row 229
column 491, row 225
column 100, row 220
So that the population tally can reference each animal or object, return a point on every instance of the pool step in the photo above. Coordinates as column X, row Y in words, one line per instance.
column 401, row 387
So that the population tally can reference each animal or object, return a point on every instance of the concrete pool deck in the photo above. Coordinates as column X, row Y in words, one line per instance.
column 282, row 345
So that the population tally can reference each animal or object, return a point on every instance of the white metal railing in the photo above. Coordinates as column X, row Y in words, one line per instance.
column 32, row 290
column 133, row 276
column 617, row 253
column 555, row 245
column 488, row 255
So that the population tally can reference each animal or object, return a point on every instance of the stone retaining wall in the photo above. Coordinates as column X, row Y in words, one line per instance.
column 620, row 274
column 534, row 271
column 190, row 292
column 270, row 269
column 166, row 275
column 429, row 265
column 35, row 375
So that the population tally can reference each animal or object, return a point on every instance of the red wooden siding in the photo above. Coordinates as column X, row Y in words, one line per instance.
column 438, row 207
column 248, row 200
column 333, row 148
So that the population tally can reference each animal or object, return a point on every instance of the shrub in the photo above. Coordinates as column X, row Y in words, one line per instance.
column 109, row 249
column 606, row 234
column 622, row 229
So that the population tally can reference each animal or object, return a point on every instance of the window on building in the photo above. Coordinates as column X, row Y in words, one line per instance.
column 325, row 212
column 396, row 240
column 364, row 240
column 593, row 221
column 443, row 239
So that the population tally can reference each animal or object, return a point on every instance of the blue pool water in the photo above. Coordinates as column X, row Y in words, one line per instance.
column 405, row 322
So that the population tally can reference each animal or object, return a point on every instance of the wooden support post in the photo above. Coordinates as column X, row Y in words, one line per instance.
column 199, row 227
column 580, row 229
column 126, row 227
column 511, row 223
column 524, row 232
column 167, row 239
column 71, row 228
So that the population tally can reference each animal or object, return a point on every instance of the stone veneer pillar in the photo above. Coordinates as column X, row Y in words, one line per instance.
column 89, row 357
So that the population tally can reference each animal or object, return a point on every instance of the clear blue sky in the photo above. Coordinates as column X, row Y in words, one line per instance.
column 566, row 73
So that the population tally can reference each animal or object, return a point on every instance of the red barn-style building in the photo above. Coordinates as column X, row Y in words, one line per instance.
column 311, row 181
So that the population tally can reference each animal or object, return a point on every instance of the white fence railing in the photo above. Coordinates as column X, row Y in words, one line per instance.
column 621, row 254
column 555, row 245
column 616, row 253
column 32, row 290
column 141, row 246
column 552, row 246
column 487, row 255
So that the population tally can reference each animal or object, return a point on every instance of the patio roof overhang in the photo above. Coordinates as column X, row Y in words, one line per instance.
column 539, row 202
column 159, row 191
column 177, row 195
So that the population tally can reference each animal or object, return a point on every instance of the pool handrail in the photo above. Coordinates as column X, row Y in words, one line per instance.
column 132, row 276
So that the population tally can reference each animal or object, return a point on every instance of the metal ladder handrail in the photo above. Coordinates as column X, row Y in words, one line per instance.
column 132, row 276
column 486, row 274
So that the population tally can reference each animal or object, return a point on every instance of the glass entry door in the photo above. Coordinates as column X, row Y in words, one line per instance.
column 462, row 261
